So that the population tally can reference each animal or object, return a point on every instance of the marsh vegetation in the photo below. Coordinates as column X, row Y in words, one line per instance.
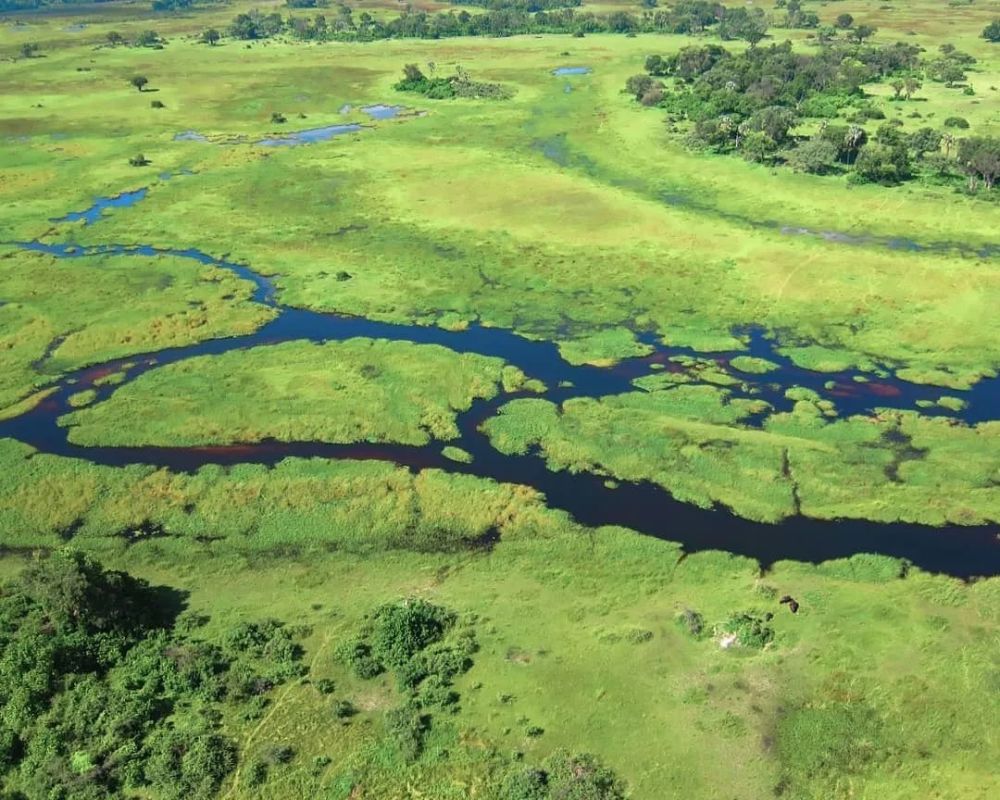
column 325, row 470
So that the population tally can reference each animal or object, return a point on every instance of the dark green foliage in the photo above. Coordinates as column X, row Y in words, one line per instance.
column 211, row 36
column 816, row 155
column 358, row 656
column 186, row 766
column 406, row 727
column 750, row 630
column 991, row 33
column 751, row 102
column 980, row 158
column 957, row 122
column 564, row 776
column 530, row 6
column 925, row 140
column 156, row 104
column 526, row 784
column 401, row 630
column 139, row 82
column 692, row 622
column 101, row 691
column 277, row 754
column 458, row 85
column 749, row 24
column 886, row 163
column 149, row 39
column 344, row 710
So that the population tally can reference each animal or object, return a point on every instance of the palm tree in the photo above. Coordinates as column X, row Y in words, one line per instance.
column 948, row 140
column 855, row 137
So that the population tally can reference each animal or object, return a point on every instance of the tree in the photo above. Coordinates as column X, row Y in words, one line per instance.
column 114, row 38
column 139, row 82
column 911, row 86
column 747, row 24
column 138, row 160
column 757, row 146
column 854, row 140
column 844, row 21
column 149, row 39
column 862, row 32
column 413, row 74
column 925, row 140
column 882, row 163
column 211, row 37
column 28, row 50
column 816, row 156
column 638, row 85
column 897, row 87
column 980, row 158
column 991, row 33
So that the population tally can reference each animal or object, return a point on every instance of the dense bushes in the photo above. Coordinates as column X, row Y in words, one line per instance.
column 565, row 776
column 104, row 689
column 458, row 85
column 751, row 103
column 426, row 649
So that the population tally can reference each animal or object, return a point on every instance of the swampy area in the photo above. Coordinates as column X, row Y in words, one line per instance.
column 499, row 400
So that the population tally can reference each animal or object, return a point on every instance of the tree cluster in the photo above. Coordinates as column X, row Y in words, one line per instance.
column 505, row 18
column 564, row 775
column 752, row 102
column 458, row 85
column 426, row 649
column 106, row 691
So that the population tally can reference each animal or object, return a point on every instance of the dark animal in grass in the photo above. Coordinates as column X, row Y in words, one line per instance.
column 793, row 606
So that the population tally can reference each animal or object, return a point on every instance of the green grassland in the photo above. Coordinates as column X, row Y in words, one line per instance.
column 557, row 266
column 878, row 687
column 358, row 390
column 573, row 216
column 60, row 315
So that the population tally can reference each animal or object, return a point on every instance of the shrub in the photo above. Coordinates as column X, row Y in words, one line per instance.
column 344, row 709
column 406, row 727
column 692, row 622
column 750, row 631
column 956, row 122
column 400, row 630
column 526, row 784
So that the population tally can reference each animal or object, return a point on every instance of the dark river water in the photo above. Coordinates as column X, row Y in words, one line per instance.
column 954, row 550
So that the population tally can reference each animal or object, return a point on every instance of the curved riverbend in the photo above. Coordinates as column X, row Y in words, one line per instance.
column 955, row 550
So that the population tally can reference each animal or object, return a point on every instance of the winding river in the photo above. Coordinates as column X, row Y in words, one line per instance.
column 959, row 551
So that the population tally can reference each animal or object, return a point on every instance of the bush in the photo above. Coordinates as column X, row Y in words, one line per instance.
column 358, row 656
column 406, row 727
column 692, row 622
column 401, row 630
column 957, row 122
column 526, row 784
column 750, row 631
